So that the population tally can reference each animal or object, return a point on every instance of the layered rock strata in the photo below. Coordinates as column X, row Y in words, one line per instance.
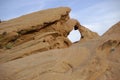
column 38, row 32
column 35, row 47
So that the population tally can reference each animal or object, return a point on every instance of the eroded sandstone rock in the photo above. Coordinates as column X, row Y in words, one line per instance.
column 38, row 32
column 27, row 27
column 29, row 56
column 86, row 34
column 91, row 60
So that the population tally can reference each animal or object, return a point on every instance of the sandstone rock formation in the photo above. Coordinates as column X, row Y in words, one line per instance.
column 86, row 34
column 36, row 47
column 37, row 32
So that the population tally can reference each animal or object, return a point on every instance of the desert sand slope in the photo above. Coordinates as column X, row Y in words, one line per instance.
column 51, row 56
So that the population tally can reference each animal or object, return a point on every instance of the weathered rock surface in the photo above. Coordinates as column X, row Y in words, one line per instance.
column 86, row 34
column 37, row 32
column 35, row 47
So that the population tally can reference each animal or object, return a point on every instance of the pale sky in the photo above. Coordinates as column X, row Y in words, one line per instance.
column 97, row 15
